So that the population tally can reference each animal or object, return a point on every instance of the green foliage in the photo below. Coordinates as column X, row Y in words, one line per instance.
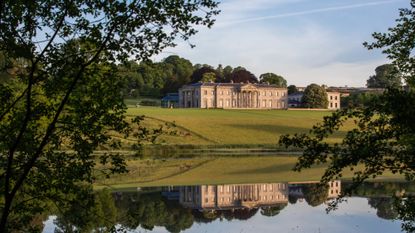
column 359, row 100
column 178, row 71
column 384, row 206
column 64, row 94
column 241, row 75
column 386, row 76
column 273, row 210
column 315, row 194
column 273, row 79
column 292, row 89
column 198, row 75
column 150, row 210
column 88, row 215
column 209, row 77
column 315, row 96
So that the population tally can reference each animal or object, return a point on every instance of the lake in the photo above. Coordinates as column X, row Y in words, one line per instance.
column 260, row 207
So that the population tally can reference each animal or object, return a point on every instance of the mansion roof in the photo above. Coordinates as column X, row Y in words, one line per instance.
column 237, row 85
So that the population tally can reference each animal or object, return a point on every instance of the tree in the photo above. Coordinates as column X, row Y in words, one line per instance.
column 198, row 74
column 315, row 96
column 386, row 76
column 67, row 97
column 292, row 89
column 383, row 139
column 274, row 79
column 209, row 77
column 271, row 211
column 242, row 76
column 178, row 71
column 227, row 72
column 359, row 100
column 315, row 194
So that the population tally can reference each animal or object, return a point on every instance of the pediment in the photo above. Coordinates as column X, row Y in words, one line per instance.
column 248, row 87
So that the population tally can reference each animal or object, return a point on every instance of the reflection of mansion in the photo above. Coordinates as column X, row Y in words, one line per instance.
column 233, row 196
column 296, row 189
column 233, row 95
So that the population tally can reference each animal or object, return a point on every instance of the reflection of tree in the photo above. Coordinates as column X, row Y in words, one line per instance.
column 150, row 210
column 292, row 199
column 273, row 210
column 315, row 194
column 384, row 206
column 406, row 213
column 244, row 214
column 207, row 216
column 86, row 215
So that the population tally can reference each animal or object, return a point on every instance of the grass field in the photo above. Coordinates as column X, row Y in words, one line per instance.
column 242, row 127
column 219, row 170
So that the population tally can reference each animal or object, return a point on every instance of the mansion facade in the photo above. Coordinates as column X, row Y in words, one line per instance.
column 233, row 95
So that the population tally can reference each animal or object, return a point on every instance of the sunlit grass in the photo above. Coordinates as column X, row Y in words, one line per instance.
column 220, row 170
column 218, row 126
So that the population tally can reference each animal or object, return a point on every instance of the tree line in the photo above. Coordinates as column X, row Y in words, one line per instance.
column 155, row 79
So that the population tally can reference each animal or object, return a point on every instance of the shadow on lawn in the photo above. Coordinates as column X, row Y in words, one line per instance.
column 269, row 128
column 265, row 170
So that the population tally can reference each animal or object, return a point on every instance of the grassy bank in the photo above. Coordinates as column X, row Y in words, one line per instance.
column 232, row 127
column 216, row 170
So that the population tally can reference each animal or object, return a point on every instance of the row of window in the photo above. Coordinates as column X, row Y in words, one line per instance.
column 227, row 103
column 228, row 199
column 331, row 105
column 335, row 97
column 263, row 93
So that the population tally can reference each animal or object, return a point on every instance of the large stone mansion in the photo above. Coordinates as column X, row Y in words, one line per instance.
column 233, row 95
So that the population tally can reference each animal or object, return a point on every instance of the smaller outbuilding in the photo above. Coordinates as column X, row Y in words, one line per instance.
column 171, row 100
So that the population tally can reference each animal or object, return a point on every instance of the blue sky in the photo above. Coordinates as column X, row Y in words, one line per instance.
column 305, row 41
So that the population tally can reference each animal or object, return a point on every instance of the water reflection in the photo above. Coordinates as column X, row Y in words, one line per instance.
column 175, row 209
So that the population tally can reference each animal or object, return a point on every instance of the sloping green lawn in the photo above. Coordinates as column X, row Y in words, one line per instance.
column 218, row 126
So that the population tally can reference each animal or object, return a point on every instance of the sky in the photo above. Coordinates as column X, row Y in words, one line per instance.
column 305, row 41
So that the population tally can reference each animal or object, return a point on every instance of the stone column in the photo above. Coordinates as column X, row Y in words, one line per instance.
column 185, row 99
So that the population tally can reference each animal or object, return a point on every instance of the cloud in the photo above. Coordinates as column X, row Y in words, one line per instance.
column 324, row 50
column 305, row 12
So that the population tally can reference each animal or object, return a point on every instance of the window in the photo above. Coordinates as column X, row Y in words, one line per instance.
column 276, row 93
column 197, row 92
column 213, row 92
column 335, row 97
column 335, row 105
column 221, row 92
column 331, row 105
column 229, row 92
column 205, row 92
column 331, row 97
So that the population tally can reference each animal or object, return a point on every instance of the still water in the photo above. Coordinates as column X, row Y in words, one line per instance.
column 268, row 207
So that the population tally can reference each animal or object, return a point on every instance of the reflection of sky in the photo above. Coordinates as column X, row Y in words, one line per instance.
column 355, row 216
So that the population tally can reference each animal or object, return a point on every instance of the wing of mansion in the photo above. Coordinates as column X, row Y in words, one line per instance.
column 233, row 95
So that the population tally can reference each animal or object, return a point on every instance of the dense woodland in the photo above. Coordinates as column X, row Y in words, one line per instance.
column 155, row 79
